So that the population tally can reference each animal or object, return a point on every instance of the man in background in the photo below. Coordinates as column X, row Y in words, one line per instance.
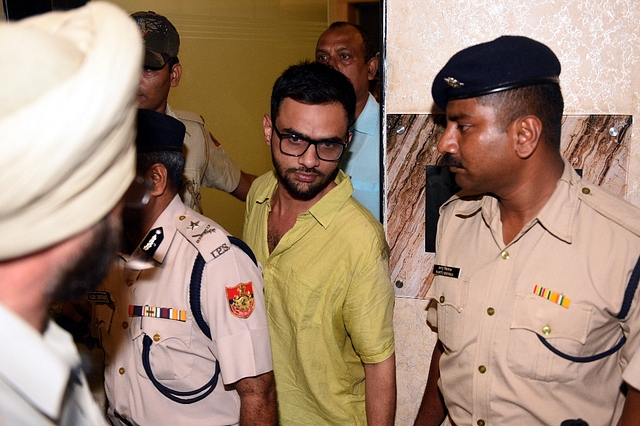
column 67, row 115
column 535, row 295
column 183, row 323
column 207, row 163
column 327, row 287
column 348, row 49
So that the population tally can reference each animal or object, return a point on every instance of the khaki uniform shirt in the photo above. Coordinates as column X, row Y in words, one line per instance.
column 41, row 380
column 181, row 356
column 561, row 280
column 207, row 163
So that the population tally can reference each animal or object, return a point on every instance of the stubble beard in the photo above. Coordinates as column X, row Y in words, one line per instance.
column 303, row 191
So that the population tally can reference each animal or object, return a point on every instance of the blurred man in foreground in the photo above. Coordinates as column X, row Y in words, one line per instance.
column 67, row 118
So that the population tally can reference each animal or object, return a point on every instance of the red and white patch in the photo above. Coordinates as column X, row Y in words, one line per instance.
column 241, row 299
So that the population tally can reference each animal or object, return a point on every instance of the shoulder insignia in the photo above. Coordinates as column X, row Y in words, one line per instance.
column 241, row 300
column 610, row 206
column 204, row 234
column 189, row 116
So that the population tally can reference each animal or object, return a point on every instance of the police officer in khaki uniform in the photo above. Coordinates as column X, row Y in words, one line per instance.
column 67, row 157
column 182, row 318
column 207, row 163
column 535, row 295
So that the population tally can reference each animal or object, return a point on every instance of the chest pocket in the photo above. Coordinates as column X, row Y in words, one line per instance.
column 451, row 297
column 536, row 320
column 170, row 343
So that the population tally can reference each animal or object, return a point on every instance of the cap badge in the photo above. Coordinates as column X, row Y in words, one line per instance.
column 453, row 82
column 142, row 25
column 241, row 299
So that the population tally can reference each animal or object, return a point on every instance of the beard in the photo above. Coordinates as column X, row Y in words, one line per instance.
column 85, row 272
column 303, row 191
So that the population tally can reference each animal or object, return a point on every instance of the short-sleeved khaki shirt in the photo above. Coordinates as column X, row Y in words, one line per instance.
column 207, row 163
column 562, row 281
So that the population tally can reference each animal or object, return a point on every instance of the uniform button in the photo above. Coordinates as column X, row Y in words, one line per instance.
column 441, row 299
column 156, row 337
column 504, row 255
column 130, row 283
column 125, row 325
column 121, row 370
column 586, row 191
column 546, row 330
column 182, row 217
column 480, row 422
column 491, row 311
column 482, row 369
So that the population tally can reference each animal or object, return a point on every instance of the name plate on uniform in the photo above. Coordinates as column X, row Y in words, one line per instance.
column 446, row 271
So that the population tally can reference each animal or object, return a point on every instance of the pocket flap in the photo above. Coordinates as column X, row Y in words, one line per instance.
column 549, row 320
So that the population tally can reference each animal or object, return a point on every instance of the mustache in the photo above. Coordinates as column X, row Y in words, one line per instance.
column 306, row 170
column 450, row 161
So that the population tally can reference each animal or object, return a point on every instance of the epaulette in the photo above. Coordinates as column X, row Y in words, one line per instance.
column 610, row 206
column 189, row 116
column 205, row 235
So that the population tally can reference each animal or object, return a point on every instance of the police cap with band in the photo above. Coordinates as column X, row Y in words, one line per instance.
column 505, row 63
column 158, row 132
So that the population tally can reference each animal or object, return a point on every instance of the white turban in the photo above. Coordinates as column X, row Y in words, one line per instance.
column 67, row 122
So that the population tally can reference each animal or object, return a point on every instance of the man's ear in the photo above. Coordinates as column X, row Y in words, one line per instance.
column 267, row 125
column 527, row 130
column 372, row 68
column 176, row 73
column 349, row 138
column 158, row 175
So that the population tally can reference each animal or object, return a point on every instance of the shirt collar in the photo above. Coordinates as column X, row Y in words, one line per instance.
column 369, row 120
column 326, row 208
column 167, row 223
column 556, row 216
column 38, row 366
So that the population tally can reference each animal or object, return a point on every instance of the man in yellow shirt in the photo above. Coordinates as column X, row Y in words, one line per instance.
column 327, row 288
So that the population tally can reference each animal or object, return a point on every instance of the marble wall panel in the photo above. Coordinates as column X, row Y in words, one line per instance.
column 596, row 144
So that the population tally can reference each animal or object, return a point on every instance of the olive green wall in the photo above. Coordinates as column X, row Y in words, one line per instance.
column 232, row 51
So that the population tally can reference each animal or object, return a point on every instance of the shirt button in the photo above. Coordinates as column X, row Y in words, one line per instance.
column 546, row 330
column 482, row 369
column 156, row 337
column 441, row 299
column 125, row 325
column 130, row 283
column 121, row 370
column 491, row 311
column 480, row 422
column 504, row 255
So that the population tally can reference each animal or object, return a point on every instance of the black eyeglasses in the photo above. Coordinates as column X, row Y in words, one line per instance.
column 295, row 146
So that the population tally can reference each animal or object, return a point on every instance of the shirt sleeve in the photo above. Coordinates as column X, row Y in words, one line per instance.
column 239, row 331
column 368, row 311
column 221, row 171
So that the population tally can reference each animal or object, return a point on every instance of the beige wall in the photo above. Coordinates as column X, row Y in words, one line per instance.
column 232, row 51
column 598, row 42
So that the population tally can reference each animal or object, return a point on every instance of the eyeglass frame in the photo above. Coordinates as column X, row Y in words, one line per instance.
column 309, row 142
